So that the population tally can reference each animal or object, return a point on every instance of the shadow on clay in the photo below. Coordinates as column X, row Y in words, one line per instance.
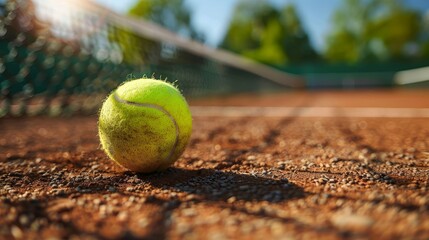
column 215, row 185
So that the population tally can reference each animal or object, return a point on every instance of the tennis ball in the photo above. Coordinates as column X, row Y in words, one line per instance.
column 145, row 125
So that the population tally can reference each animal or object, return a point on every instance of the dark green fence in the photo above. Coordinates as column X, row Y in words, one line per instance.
column 343, row 75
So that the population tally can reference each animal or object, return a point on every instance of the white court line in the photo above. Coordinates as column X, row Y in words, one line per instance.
column 366, row 112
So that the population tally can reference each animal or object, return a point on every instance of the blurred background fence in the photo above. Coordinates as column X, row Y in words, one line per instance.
column 358, row 75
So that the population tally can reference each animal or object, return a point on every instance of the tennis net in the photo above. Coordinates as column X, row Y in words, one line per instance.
column 63, row 57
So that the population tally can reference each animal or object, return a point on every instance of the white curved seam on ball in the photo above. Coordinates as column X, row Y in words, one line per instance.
column 157, row 107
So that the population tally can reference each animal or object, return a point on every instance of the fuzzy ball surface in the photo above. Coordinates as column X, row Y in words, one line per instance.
column 145, row 125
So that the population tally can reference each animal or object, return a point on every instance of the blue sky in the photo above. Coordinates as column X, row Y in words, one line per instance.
column 212, row 17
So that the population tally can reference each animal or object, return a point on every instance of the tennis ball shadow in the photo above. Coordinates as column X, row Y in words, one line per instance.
column 215, row 185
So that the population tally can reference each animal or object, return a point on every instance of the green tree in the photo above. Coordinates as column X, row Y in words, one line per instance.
column 171, row 14
column 296, row 41
column 373, row 30
column 261, row 32
column 425, row 36
column 135, row 49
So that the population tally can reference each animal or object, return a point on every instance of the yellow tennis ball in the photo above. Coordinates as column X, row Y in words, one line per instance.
column 145, row 125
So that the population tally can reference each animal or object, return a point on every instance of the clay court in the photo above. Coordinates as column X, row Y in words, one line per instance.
column 290, row 140
column 294, row 165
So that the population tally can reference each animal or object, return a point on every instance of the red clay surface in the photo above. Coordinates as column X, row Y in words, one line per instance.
column 240, row 177
column 388, row 98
